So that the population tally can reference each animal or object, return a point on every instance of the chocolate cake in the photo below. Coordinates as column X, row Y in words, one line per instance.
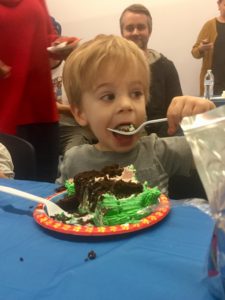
column 111, row 196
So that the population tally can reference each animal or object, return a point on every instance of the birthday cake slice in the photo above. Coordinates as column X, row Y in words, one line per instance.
column 108, row 197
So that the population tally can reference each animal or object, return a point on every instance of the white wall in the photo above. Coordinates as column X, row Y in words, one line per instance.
column 176, row 24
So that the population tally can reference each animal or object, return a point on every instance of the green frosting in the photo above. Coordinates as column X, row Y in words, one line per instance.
column 70, row 188
column 112, row 211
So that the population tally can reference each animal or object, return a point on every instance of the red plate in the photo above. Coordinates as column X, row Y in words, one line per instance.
column 45, row 221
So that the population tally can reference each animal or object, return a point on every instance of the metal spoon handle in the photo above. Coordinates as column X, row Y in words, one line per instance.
column 154, row 121
column 139, row 128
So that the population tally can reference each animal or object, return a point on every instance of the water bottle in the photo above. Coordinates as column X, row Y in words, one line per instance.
column 208, row 84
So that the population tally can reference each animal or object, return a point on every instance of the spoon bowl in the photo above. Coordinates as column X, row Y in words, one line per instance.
column 137, row 129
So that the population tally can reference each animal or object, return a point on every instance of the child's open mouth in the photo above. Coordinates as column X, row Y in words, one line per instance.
column 126, row 127
column 124, row 140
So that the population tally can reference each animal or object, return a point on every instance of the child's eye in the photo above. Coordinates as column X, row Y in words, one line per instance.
column 137, row 94
column 108, row 97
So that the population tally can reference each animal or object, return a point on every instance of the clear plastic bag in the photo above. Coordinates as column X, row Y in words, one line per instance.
column 205, row 134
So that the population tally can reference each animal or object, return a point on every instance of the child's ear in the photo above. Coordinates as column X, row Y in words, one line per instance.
column 79, row 115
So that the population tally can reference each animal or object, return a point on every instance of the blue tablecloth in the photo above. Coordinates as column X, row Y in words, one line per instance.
column 166, row 261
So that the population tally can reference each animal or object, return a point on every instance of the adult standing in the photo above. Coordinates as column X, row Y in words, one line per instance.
column 210, row 47
column 27, row 106
column 136, row 25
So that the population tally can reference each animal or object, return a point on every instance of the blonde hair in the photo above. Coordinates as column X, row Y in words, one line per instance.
column 84, row 64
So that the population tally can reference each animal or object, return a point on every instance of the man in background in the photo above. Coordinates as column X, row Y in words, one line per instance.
column 136, row 25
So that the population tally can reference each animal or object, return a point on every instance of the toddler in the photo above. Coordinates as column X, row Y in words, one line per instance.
column 107, row 83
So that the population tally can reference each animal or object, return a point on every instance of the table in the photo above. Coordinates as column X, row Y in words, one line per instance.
column 166, row 261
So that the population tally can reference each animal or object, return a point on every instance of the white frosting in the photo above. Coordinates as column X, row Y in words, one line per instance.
column 127, row 175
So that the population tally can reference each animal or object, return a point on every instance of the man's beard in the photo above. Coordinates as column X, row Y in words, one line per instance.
column 139, row 42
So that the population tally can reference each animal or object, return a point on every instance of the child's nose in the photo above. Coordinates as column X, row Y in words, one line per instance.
column 125, row 103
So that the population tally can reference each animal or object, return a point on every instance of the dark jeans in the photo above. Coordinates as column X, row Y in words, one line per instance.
column 45, row 139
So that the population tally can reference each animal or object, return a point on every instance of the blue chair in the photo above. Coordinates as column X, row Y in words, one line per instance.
column 23, row 156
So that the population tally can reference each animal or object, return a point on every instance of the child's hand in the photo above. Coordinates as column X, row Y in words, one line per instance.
column 185, row 106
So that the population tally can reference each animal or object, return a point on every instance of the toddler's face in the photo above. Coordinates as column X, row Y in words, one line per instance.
column 113, row 101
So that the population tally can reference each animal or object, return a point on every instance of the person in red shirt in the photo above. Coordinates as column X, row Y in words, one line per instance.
column 28, row 105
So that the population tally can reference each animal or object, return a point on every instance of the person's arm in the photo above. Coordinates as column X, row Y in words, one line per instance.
column 54, row 39
column 6, row 164
column 64, row 108
column 62, row 53
column 185, row 106
column 203, row 42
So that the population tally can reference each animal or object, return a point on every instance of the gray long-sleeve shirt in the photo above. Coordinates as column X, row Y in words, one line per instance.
column 155, row 160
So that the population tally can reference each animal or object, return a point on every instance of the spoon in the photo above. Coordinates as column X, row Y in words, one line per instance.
column 52, row 208
column 139, row 128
